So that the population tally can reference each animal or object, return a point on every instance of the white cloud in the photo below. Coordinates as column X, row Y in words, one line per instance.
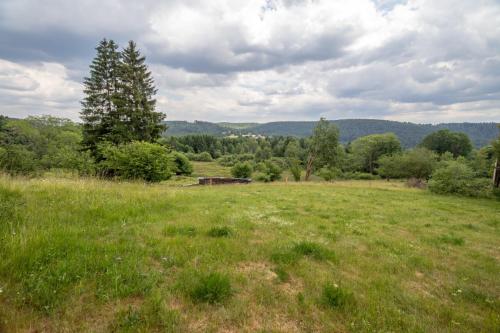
column 260, row 60
column 36, row 89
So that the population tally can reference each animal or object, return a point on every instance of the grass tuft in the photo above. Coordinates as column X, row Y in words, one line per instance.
column 336, row 297
column 220, row 232
column 451, row 239
column 282, row 274
column 211, row 288
column 313, row 250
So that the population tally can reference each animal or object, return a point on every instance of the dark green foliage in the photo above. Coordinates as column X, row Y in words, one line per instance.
column 330, row 174
column 182, row 164
column 482, row 161
column 368, row 149
column 417, row 163
column 323, row 147
column 99, row 112
column 446, row 141
column 135, row 99
column 220, row 232
column 454, row 177
column 137, row 160
column 17, row 159
column 350, row 129
column 42, row 143
column 118, row 106
column 242, row 170
column 336, row 297
column 270, row 172
column 296, row 171
column 201, row 157
column 211, row 288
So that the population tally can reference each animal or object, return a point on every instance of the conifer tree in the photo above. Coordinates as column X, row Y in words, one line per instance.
column 135, row 102
column 99, row 112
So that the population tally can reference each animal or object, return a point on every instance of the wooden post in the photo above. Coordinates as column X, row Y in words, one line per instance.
column 496, row 175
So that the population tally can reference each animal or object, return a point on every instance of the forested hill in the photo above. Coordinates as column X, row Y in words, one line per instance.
column 410, row 134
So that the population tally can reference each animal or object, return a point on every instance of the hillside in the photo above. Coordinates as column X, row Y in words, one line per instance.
column 87, row 255
column 410, row 134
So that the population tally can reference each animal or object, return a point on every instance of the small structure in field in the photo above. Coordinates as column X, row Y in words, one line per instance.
column 222, row 180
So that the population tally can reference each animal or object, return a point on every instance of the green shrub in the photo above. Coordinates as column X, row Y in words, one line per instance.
column 16, row 159
column 201, row 157
column 211, row 288
column 335, row 297
column 269, row 172
column 329, row 174
column 417, row 163
column 360, row 176
column 457, row 178
column 220, row 232
column 137, row 160
column 182, row 164
column 242, row 170
column 296, row 171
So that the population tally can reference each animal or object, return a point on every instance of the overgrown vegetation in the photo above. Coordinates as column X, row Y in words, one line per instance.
column 98, row 256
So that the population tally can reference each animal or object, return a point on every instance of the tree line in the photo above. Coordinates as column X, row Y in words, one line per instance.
column 121, row 137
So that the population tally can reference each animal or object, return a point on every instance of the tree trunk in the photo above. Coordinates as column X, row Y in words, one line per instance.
column 309, row 166
column 496, row 175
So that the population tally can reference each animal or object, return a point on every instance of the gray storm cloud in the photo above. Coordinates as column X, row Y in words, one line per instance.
column 416, row 60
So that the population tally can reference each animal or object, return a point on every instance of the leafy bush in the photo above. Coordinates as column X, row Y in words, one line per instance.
column 329, row 174
column 231, row 160
column 16, row 159
column 137, row 160
column 242, row 170
column 182, row 164
column 201, row 157
column 457, row 178
column 335, row 297
column 211, row 288
column 269, row 172
column 296, row 171
column 417, row 163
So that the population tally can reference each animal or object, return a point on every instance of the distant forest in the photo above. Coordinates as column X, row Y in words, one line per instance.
column 410, row 134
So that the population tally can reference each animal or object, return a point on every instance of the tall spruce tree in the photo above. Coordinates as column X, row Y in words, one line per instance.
column 99, row 112
column 135, row 102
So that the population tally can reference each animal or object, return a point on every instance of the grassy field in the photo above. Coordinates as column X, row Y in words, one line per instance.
column 95, row 256
column 210, row 169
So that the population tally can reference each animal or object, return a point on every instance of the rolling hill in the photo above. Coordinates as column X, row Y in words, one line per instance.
column 410, row 134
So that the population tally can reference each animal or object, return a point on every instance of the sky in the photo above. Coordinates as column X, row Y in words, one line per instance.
column 424, row 61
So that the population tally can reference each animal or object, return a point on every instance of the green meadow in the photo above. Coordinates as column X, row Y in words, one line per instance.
column 84, row 255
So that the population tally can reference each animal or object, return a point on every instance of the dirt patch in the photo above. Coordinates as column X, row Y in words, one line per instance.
column 257, row 269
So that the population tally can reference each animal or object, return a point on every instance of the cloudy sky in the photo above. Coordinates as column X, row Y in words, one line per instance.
column 425, row 61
